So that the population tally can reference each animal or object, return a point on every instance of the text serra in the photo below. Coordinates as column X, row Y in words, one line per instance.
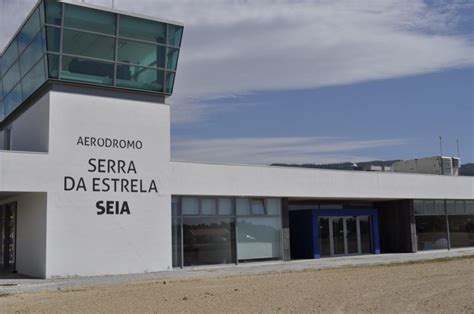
column 110, row 184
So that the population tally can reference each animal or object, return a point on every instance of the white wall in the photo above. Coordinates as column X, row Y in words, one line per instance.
column 30, row 131
column 210, row 179
column 31, row 234
column 81, row 242
column 25, row 172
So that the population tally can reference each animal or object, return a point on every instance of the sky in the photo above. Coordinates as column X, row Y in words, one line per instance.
column 322, row 81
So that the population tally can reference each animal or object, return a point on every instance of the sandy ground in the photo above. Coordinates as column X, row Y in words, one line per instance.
column 437, row 286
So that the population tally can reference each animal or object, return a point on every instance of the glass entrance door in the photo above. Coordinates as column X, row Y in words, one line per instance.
column 338, row 242
column 352, row 238
column 345, row 235
column 7, row 237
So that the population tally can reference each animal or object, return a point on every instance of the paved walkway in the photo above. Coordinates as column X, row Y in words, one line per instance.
column 18, row 283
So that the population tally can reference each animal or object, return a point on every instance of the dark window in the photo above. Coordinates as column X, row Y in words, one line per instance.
column 84, row 70
column 13, row 99
column 89, row 19
column 32, row 54
column 172, row 58
column 29, row 31
column 133, row 27
column 169, row 82
column 461, row 230
column 208, row 241
column 141, row 53
column 11, row 78
column 53, row 38
column 431, row 232
column 34, row 79
column 53, row 65
column 88, row 45
column 175, row 33
column 53, row 12
column 139, row 77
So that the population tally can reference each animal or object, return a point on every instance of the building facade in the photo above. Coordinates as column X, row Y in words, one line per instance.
column 87, row 185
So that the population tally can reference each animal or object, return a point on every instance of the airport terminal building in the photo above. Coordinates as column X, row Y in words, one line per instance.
column 87, row 185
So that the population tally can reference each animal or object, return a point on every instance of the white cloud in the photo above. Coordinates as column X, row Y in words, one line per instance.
column 266, row 150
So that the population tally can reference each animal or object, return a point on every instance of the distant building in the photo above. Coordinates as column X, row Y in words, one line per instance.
column 87, row 186
column 447, row 166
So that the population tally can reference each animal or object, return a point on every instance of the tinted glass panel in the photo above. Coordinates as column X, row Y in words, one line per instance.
column 190, row 205
column 273, row 206
column 90, row 71
column 141, row 53
column 176, row 240
column 351, row 235
column 53, row 36
column 418, row 207
column 32, row 54
column 53, row 65
column 429, row 207
column 13, row 99
column 365, row 234
column 431, row 232
column 461, row 229
column 53, row 12
column 139, row 78
column 258, row 206
column 225, row 206
column 175, row 206
column 89, row 19
column 88, row 45
column 172, row 59
column 169, row 82
column 10, row 55
column 41, row 14
column 207, row 241
column 470, row 207
column 338, row 235
column 324, row 239
column 209, row 206
column 142, row 29
column 174, row 35
column 29, row 31
column 439, row 207
column 450, row 207
column 34, row 79
column 258, row 238
column 2, row 110
column 11, row 77
column 242, row 205
column 459, row 207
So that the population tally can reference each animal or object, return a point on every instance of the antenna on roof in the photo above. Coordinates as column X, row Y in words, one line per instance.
column 441, row 145
column 457, row 145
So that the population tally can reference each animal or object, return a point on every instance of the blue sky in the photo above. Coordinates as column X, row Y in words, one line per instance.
column 411, row 112
column 314, row 80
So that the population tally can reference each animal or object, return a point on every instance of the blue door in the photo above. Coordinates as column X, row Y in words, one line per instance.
column 341, row 232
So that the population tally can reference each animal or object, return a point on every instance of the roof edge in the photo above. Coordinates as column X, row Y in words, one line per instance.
column 113, row 10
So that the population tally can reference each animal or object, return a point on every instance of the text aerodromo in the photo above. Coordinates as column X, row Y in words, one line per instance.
column 106, row 142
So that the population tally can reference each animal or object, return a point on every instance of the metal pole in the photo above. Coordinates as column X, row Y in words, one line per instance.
column 441, row 145
column 457, row 144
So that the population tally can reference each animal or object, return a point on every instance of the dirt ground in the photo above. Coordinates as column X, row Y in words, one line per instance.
column 440, row 286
